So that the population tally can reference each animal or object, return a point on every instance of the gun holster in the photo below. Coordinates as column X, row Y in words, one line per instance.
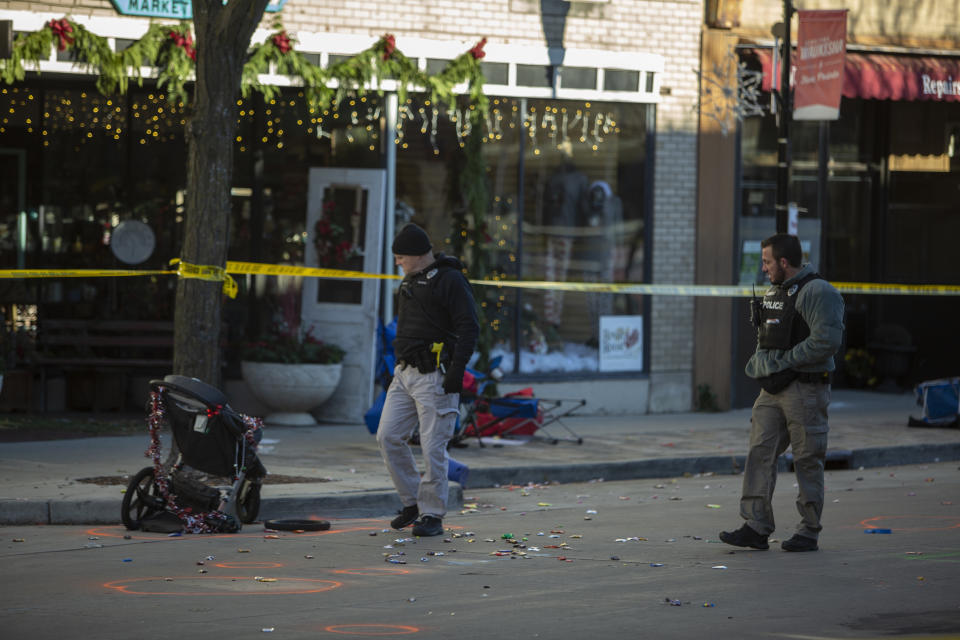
column 777, row 382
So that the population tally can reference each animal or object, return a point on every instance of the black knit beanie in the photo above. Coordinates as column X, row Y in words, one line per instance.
column 411, row 241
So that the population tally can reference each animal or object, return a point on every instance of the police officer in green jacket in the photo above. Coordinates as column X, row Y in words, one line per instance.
column 799, row 330
column 436, row 333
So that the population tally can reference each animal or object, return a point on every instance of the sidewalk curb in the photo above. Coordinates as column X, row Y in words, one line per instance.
column 378, row 503
column 361, row 504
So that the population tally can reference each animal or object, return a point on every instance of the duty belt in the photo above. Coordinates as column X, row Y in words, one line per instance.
column 815, row 377
column 425, row 361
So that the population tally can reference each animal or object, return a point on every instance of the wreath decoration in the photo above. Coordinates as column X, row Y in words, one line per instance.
column 332, row 240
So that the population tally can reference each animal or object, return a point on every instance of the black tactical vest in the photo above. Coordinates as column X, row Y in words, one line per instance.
column 781, row 327
column 422, row 314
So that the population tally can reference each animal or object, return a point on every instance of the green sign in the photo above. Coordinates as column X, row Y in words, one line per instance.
column 181, row 9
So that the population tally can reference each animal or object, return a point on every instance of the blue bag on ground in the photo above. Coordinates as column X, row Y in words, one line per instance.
column 940, row 400
column 372, row 416
column 458, row 472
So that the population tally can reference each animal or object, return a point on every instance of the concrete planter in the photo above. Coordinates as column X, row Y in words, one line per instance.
column 290, row 391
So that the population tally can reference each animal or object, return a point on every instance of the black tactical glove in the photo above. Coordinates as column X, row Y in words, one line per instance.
column 453, row 381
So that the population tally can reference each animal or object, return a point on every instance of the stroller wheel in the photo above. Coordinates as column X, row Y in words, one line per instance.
column 248, row 501
column 297, row 525
column 141, row 499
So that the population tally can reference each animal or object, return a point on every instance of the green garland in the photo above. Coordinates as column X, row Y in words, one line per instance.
column 170, row 49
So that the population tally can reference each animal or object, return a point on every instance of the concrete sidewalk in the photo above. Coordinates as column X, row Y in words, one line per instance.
column 44, row 482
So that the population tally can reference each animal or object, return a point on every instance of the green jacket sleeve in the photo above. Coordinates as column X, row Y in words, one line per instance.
column 821, row 306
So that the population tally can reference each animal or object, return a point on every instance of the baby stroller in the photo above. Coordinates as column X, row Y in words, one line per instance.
column 211, row 438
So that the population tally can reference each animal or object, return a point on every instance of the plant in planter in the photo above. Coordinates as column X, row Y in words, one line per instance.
column 859, row 366
column 291, row 373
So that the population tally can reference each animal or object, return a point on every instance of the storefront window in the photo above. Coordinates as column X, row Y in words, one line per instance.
column 576, row 170
column 923, row 196
column 565, row 182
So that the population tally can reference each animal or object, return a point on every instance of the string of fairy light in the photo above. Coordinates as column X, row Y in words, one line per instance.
column 152, row 118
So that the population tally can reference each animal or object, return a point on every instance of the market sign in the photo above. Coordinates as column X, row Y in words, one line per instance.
column 821, row 45
column 180, row 9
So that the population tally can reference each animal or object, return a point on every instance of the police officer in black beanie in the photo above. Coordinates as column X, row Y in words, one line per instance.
column 436, row 333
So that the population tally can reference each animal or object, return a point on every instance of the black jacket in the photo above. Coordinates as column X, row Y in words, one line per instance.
column 436, row 305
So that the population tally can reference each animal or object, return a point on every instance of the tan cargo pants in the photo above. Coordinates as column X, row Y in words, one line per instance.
column 418, row 398
column 795, row 417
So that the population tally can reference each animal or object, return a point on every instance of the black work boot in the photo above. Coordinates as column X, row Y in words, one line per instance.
column 745, row 537
column 407, row 516
column 799, row 543
column 428, row 526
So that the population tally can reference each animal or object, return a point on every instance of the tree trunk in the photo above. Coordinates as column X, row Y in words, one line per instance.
column 223, row 32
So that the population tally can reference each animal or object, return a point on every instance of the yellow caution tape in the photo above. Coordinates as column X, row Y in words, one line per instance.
column 206, row 272
column 898, row 289
column 310, row 272
column 726, row 291
column 77, row 273
column 213, row 273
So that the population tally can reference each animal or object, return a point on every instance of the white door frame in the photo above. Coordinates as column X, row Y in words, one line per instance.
column 351, row 326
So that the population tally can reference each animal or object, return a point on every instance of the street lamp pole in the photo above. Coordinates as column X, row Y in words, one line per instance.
column 786, row 116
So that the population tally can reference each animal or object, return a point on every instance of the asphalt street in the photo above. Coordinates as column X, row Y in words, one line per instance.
column 637, row 557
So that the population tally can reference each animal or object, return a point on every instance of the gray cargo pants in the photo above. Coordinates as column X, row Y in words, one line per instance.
column 413, row 398
column 797, row 416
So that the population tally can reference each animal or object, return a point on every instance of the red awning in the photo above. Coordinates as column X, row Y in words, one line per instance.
column 874, row 76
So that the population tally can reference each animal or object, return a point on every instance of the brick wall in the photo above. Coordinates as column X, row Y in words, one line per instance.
column 65, row 7
column 667, row 27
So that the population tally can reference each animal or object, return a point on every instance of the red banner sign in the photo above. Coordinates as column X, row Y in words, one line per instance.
column 821, row 49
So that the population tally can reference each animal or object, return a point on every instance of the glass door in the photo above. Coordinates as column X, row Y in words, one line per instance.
column 345, row 215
